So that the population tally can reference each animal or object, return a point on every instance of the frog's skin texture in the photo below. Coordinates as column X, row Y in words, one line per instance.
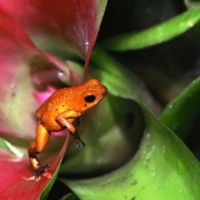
column 58, row 112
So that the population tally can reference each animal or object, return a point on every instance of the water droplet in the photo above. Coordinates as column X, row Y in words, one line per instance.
column 86, row 46
column 163, row 149
column 61, row 73
column 190, row 24
column 181, row 167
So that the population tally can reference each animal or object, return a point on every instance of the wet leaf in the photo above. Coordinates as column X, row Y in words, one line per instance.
column 156, row 34
column 180, row 113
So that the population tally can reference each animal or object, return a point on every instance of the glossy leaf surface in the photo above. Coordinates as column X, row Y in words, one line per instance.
column 160, row 168
column 156, row 34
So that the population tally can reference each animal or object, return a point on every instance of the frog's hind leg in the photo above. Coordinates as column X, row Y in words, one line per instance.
column 41, row 140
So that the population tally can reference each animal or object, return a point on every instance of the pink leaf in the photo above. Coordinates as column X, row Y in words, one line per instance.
column 42, row 96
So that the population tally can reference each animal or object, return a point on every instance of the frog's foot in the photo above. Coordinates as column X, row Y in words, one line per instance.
column 41, row 170
column 78, row 140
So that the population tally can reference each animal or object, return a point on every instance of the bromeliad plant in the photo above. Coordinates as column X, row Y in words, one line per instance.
column 130, row 153
column 37, row 38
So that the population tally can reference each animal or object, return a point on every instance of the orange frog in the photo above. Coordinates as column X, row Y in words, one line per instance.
column 59, row 112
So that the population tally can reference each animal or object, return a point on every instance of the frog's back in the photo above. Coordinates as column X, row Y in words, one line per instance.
column 52, row 106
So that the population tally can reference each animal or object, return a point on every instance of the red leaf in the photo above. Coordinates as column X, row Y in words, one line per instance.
column 75, row 23
column 71, row 21
column 64, row 22
column 16, row 174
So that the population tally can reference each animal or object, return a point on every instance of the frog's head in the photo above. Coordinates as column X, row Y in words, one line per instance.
column 93, row 93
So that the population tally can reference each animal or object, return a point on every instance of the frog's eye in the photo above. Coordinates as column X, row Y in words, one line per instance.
column 90, row 98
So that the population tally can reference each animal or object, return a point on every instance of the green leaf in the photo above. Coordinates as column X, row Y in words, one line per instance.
column 8, row 146
column 156, row 34
column 160, row 170
column 107, row 130
column 4, row 144
column 70, row 196
column 118, row 80
column 180, row 113
column 99, row 126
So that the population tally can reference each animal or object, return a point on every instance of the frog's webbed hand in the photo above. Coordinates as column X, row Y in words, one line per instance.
column 78, row 139
column 62, row 120
column 41, row 140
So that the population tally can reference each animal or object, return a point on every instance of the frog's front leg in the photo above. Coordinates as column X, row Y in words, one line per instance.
column 41, row 140
column 62, row 119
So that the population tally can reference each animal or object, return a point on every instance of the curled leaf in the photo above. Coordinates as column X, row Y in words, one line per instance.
column 156, row 34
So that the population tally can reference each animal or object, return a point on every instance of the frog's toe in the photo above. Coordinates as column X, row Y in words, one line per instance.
column 41, row 170
column 78, row 140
